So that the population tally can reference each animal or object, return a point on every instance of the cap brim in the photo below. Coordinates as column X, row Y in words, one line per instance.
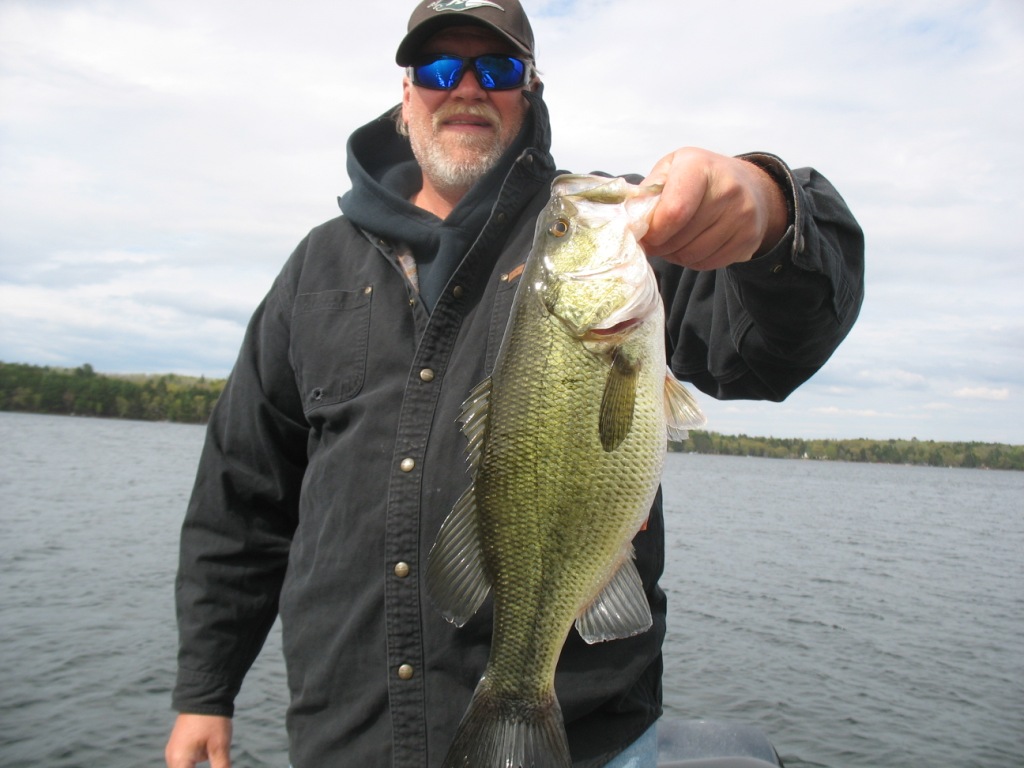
column 409, row 48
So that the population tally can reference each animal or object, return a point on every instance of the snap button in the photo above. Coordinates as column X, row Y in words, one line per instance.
column 405, row 672
column 457, row 291
column 426, row 375
column 402, row 570
column 407, row 465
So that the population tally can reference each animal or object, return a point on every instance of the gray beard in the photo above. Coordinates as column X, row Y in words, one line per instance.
column 449, row 175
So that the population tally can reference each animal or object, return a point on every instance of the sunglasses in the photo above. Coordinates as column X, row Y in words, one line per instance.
column 494, row 71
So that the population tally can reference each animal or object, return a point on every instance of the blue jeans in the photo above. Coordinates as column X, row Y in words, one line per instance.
column 642, row 753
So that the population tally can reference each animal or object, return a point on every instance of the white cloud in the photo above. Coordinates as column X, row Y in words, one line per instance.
column 893, row 377
column 983, row 393
column 160, row 160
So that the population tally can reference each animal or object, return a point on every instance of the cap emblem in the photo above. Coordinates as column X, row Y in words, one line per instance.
column 462, row 5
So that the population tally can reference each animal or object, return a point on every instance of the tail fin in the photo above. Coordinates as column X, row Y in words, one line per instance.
column 509, row 733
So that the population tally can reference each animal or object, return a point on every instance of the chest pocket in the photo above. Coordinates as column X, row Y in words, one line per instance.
column 330, row 337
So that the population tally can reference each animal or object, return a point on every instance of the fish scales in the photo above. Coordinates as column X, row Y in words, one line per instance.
column 541, row 564
column 567, row 440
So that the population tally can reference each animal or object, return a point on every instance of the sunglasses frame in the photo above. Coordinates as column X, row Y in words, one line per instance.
column 469, row 63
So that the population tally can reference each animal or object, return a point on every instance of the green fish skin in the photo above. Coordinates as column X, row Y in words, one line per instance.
column 567, row 440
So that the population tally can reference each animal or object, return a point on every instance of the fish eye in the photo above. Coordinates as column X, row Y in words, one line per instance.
column 560, row 228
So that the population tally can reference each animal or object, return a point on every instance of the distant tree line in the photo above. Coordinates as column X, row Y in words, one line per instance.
column 970, row 455
column 83, row 392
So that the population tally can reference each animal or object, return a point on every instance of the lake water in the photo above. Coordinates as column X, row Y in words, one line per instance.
column 860, row 615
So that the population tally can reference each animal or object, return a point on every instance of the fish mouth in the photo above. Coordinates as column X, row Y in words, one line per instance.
column 643, row 304
column 615, row 329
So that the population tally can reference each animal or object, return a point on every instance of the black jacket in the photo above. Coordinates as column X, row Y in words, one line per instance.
column 334, row 455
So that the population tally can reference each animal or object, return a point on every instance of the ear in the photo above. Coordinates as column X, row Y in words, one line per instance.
column 406, row 98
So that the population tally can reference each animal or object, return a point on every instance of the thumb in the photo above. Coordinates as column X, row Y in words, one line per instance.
column 659, row 173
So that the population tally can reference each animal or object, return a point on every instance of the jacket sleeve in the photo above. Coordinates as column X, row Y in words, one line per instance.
column 240, row 519
column 761, row 328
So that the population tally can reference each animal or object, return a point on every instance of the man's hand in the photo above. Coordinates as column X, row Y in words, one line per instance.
column 714, row 210
column 198, row 738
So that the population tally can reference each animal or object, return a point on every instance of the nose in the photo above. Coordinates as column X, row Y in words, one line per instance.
column 468, row 86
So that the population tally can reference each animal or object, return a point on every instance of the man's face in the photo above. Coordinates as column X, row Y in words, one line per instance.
column 459, row 135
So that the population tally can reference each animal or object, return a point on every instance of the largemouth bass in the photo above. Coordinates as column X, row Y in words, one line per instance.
column 567, row 440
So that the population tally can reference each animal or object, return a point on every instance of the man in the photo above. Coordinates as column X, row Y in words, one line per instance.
column 333, row 455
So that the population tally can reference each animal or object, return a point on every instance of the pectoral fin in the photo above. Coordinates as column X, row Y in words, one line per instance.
column 620, row 610
column 681, row 410
column 618, row 401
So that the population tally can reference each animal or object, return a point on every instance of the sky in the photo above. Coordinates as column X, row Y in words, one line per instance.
column 160, row 160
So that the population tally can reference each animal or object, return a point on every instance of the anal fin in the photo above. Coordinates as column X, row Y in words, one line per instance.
column 620, row 610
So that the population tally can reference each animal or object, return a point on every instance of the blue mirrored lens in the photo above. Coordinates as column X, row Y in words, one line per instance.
column 443, row 73
column 494, row 72
column 497, row 72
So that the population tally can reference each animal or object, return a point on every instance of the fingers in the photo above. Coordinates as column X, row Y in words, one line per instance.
column 196, row 739
column 681, row 173
column 220, row 757
column 714, row 210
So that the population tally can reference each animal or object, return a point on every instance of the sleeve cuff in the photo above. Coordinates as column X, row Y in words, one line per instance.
column 782, row 175
column 198, row 693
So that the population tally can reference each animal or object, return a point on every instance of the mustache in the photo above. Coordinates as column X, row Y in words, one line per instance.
column 484, row 111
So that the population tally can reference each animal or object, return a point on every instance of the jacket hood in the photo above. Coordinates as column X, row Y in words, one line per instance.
column 385, row 175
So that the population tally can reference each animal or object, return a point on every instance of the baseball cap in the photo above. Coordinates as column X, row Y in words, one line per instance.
column 505, row 17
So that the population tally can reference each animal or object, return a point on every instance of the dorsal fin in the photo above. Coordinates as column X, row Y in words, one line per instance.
column 473, row 417
column 456, row 580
